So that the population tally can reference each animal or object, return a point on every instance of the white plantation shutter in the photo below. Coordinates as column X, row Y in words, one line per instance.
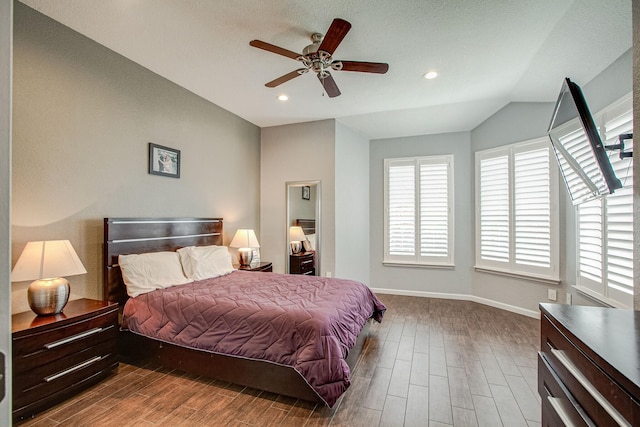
column 579, row 148
column 516, row 224
column 494, row 209
column 418, row 210
column 532, row 208
column 401, row 208
column 434, row 210
column 605, row 226
column 590, row 241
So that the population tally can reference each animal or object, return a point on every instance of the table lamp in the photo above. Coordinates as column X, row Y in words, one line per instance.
column 245, row 240
column 296, row 237
column 45, row 263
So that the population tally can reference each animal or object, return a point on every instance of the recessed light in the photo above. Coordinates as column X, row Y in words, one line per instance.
column 283, row 98
column 431, row 75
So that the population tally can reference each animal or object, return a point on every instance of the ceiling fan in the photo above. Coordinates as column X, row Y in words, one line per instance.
column 318, row 58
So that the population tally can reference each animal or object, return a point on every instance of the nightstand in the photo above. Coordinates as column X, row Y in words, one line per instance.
column 303, row 263
column 56, row 356
column 263, row 267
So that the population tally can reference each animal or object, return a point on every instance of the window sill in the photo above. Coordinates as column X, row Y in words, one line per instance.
column 600, row 299
column 542, row 279
column 417, row 265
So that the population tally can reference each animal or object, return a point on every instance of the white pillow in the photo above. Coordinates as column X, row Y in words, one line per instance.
column 143, row 273
column 310, row 243
column 205, row 262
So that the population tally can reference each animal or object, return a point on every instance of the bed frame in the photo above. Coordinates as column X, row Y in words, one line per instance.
column 140, row 235
column 308, row 225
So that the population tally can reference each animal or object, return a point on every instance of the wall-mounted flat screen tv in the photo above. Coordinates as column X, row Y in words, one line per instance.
column 582, row 157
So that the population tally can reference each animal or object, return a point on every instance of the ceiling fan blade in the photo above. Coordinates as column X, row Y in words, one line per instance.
column 365, row 67
column 275, row 49
column 286, row 77
column 329, row 85
column 336, row 32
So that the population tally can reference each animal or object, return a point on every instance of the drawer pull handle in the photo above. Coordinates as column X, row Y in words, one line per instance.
column 579, row 376
column 75, row 337
column 562, row 414
column 73, row 369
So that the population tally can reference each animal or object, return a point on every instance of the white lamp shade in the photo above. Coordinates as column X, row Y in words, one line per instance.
column 47, row 260
column 245, row 238
column 296, row 234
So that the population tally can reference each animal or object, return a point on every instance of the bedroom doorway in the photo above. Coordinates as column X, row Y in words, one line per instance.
column 303, row 210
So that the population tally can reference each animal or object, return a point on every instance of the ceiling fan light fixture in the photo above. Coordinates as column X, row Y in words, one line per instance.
column 430, row 75
column 283, row 97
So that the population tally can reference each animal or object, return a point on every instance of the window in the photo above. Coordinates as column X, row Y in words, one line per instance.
column 418, row 213
column 517, row 215
column 605, row 226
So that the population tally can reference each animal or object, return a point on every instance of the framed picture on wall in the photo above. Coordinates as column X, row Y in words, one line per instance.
column 306, row 192
column 164, row 161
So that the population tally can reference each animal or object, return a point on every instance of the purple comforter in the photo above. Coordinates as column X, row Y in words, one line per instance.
column 306, row 322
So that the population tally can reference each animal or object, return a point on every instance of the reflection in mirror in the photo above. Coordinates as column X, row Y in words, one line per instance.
column 303, row 227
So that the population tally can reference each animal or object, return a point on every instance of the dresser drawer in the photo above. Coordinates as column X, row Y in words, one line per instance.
column 605, row 402
column 559, row 407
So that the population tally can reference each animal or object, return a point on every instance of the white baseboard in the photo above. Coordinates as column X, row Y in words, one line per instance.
column 463, row 297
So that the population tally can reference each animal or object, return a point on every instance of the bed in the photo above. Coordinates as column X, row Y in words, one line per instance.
column 280, row 301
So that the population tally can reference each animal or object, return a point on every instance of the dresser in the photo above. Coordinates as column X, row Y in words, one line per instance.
column 589, row 366
column 303, row 263
column 56, row 356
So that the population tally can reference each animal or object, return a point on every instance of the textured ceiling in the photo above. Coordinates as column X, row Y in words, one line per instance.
column 487, row 53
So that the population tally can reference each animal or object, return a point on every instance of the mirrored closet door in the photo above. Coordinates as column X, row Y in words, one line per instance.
column 303, row 227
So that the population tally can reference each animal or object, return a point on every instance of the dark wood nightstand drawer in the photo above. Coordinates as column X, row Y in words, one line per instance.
column 302, row 263
column 57, row 356
column 58, row 341
column 86, row 364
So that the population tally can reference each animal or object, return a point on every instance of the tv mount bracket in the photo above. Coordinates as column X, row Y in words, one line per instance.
column 620, row 146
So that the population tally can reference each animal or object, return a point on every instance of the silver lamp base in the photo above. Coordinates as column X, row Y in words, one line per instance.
column 48, row 296
column 245, row 257
column 296, row 247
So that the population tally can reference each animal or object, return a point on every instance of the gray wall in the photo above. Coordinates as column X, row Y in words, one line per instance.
column 297, row 152
column 352, row 205
column 300, row 208
column 6, row 32
column 83, row 118
column 456, row 282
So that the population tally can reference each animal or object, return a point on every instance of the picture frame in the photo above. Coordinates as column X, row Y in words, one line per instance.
column 164, row 161
column 306, row 192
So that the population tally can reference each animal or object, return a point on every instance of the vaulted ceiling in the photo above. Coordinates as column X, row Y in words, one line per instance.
column 487, row 54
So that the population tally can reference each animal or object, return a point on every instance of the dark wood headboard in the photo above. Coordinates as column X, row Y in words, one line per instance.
column 140, row 235
column 308, row 225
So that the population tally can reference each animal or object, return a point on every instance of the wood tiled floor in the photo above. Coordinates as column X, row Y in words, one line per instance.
column 431, row 362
